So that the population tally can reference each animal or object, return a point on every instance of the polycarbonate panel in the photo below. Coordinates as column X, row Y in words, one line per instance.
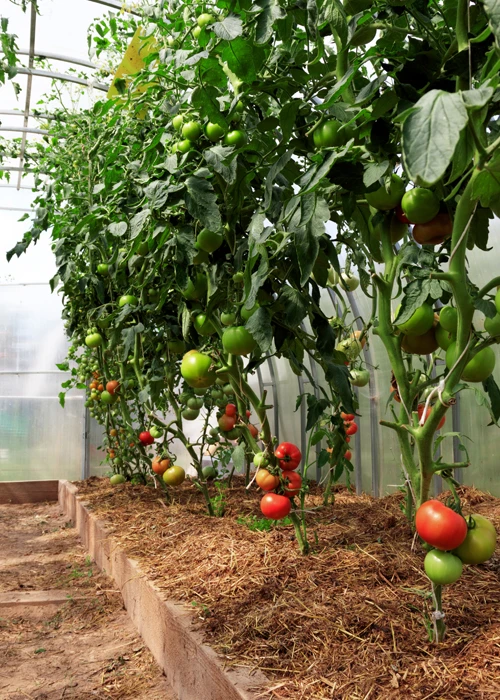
column 31, row 329
column 96, row 455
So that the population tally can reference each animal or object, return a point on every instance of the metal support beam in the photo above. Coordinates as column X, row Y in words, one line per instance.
column 116, row 5
column 65, row 77
column 15, row 208
column 28, row 90
column 23, row 129
column 58, row 57
column 17, row 113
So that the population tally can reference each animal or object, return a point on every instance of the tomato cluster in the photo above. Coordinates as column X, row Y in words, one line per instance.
column 455, row 540
column 277, row 506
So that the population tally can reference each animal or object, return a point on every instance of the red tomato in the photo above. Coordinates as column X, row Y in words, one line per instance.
column 226, row 422
column 253, row 430
column 146, row 438
column 289, row 456
column 440, row 526
column 347, row 416
column 249, row 413
column 266, row 480
column 401, row 215
column 351, row 429
column 159, row 465
column 274, row 506
column 347, row 439
column 231, row 410
column 112, row 386
column 348, row 455
column 420, row 410
column 293, row 482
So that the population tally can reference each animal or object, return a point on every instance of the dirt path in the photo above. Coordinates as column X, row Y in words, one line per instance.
column 84, row 648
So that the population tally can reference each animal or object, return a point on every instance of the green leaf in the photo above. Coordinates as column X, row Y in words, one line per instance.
column 63, row 366
column 430, row 135
column 307, row 248
column 337, row 376
column 477, row 99
column 323, row 458
column 318, row 436
column 259, row 325
column 486, row 187
column 385, row 103
column 243, row 58
column 128, row 338
column 62, row 398
column 486, row 307
column 201, row 202
column 288, row 116
column 157, row 193
column 217, row 158
column 374, row 172
column 274, row 171
column 315, row 409
column 230, row 28
column 294, row 306
column 333, row 12
column 492, row 10
column 480, row 228
column 206, row 100
column 270, row 12
column 138, row 222
column 415, row 294
column 238, row 457
column 118, row 229
column 491, row 388
column 462, row 158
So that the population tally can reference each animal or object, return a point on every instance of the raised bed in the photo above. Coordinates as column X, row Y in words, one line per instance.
column 346, row 622
column 192, row 668
column 17, row 492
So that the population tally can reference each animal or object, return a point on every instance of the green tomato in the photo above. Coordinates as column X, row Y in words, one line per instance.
column 238, row 278
column 492, row 326
column 205, row 19
column 260, row 460
column 107, row 398
column 351, row 347
column 442, row 567
column 94, row 340
column 497, row 301
column 236, row 138
column 195, row 403
column 397, row 229
column 103, row 269
column 129, row 299
column 419, row 322
column 480, row 542
column 478, row 369
column 196, row 289
column 420, row 205
column 177, row 347
column 326, row 135
column 117, row 479
column 197, row 32
column 238, row 341
column 191, row 130
column 384, row 200
column 227, row 389
column 177, row 122
column 333, row 277
column 214, row 132
column 363, row 35
column 349, row 282
column 143, row 249
column 359, row 377
column 209, row 473
column 201, row 257
column 448, row 319
column 196, row 370
column 209, row 241
column 190, row 414
column 172, row 42
column 183, row 146
column 248, row 313
column 227, row 318
column 444, row 338
column 204, row 325
column 174, row 476
column 199, row 391
column 156, row 432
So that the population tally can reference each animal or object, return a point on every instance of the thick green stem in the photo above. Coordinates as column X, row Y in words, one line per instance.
column 301, row 541
column 439, row 626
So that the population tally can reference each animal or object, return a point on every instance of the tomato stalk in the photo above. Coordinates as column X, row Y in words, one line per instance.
column 437, row 616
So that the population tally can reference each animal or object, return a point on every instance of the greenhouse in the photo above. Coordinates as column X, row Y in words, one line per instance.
column 249, row 349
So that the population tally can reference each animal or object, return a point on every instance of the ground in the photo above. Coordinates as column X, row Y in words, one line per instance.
column 84, row 648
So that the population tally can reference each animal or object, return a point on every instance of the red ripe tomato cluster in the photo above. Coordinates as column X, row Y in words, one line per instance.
column 350, row 427
column 277, row 506
column 229, row 418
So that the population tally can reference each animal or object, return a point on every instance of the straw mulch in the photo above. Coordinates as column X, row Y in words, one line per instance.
column 347, row 621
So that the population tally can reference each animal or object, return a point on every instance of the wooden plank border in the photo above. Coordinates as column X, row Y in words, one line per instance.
column 18, row 492
column 193, row 669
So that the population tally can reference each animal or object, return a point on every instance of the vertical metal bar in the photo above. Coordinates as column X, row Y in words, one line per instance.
column 86, row 444
column 455, row 426
column 303, row 440
column 276, row 412
column 29, row 86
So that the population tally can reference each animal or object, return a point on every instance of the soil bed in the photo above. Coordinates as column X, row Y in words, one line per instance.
column 347, row 621
column 85, row 647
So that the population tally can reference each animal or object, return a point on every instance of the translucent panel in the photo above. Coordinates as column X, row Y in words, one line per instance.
column 31, row 329
column 96, row 455
column 38, row 439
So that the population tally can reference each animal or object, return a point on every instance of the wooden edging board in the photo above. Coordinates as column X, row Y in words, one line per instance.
column 17, row 492
column 193, row 669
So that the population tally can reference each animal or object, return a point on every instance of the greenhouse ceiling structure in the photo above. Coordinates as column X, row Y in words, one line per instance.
column 249, row 349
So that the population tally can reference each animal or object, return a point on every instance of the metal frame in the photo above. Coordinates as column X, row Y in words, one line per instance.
column 65, row 77
column 58, row 57
column 24, row 130
column 116, row 5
